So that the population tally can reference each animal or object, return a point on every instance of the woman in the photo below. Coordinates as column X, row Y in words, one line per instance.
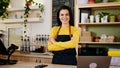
column 63, row 38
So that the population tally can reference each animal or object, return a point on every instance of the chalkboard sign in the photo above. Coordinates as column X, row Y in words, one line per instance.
column 56, row 5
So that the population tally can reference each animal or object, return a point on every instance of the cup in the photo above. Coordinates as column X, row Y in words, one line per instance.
column 97, row 18
column 82, row 1
column 105, row 1
column 112, row 18
column 91, row 18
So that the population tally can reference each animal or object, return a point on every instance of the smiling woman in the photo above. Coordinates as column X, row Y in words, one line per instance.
column 64, row 38
column 3, row 8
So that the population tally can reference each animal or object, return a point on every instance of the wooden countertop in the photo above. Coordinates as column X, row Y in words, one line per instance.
column 22, row 64
column 30, row 57
column 18, row 53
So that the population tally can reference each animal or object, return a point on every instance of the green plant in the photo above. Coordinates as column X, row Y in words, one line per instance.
column 102, row 14
column 27, row 11
column 3, row 8
column 27, row 7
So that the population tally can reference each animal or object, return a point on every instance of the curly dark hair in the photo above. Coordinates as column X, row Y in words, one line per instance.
column 71, row 22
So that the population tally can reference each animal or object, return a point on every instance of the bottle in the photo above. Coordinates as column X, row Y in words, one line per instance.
column 42, row 46
column 40, row 41
column 21, row 48
column 37, row 41
column 28, row 45
column 24, row 45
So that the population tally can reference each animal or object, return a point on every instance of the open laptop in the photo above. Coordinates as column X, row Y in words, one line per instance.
column 93, row 57
column 93, row 61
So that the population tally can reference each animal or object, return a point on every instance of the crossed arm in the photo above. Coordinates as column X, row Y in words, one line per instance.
column 58, row 46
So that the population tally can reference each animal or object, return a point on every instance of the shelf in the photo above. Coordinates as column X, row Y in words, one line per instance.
column 99, row 42
column 22, row 8
column 98, row 28
column 96, row 5
column 12, row 21
column 109, row 23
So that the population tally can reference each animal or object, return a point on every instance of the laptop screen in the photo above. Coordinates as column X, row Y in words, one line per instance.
column 93, row 51
column 93, row 61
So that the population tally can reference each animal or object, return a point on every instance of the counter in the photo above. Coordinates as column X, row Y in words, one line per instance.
column 32, row 57
column 22, row 64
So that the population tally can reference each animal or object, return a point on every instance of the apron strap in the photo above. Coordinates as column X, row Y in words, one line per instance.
column 70, row 32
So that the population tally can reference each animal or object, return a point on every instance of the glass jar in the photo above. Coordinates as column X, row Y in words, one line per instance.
column 118, row 17
column 112, row 18
column 117, row 0
column 91, row 1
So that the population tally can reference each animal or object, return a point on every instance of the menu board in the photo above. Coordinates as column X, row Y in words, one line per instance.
column 56, row 5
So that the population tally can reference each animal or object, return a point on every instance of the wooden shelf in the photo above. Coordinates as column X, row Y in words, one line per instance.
column 110, row 4
column 12, row 21
column 22, row 8
column 95, row 26
column 99, row 42
column 109, row 23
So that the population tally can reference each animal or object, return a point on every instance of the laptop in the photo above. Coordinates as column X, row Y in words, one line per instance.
column 93, row 61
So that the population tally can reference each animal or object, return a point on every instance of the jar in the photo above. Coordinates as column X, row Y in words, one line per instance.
column 82, row 1
column 105, row 1
column 96, row 39
column 112, row 18
column 91, row 1
column 118, row 17
column 29, row 3
column 117, row 0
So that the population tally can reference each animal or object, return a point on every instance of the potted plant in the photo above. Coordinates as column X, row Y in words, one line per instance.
column 29, row 3
column 26, row 13
column 3, row 8
column 104, row 17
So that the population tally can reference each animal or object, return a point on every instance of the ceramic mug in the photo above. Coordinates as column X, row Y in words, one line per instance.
column 91, row 18
column 105, row 1
column 97, row 18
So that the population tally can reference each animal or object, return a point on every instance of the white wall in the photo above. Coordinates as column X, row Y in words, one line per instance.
column 37, row 28
column 44, row 27
column 34, row 28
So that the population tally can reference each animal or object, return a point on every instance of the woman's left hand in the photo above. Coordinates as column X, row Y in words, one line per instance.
column 72, row 38
column 51, row 39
